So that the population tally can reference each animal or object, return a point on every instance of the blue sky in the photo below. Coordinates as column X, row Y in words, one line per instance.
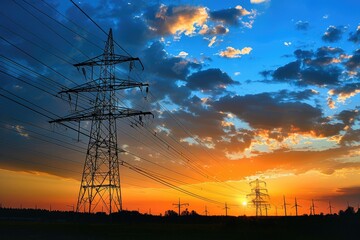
column 257, row 88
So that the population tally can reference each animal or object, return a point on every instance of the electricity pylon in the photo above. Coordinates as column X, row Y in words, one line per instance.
column 330, row 208
column 260, row 196
column 100, row 183
column 179, row 205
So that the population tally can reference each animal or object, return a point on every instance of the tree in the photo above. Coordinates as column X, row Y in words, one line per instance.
column 170, row 213
column 185, row 212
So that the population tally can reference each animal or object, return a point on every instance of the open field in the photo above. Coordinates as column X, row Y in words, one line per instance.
column 188, row 227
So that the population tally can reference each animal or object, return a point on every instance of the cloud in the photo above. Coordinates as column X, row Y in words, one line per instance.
column 303, row 54
column 229, row 16
column 302, row 25
column 157, row 61
column 288, row 71
column 348, row 117
column 326, row 51
column 212, row 41
column 217, row 30
column 333, row 34
column 346, row 91
column 295, row 161
column 350, row 137
column 183, row 54
column 258, row 1
column 265, row 112
column 231, row 52
column 354, row 61
column 167, row 20
column 287, row 44
column 320, row 68
column 320, row 77
column 344, row 195
column 212, row 79
column 355, row 36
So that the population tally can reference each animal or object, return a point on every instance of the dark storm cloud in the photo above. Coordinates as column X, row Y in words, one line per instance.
column 311, row 68
column 350, row 137
column 320, row 77
column 229, row 16
column 348, row 117
column 355, row 36
column 302, row 25
column 288, row 71
column 354, row 62
column 263, row 111
column 212, row 79
column 346, row 89
column 333, row 34
column 157, row 61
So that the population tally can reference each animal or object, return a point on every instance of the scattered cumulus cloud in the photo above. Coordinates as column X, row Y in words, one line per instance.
column 302, row 25
column 212, row 41
column 229, row 16
column 355, row 36
column 217, row 30
column 333, row 34
column 231, row 52
column 258, row 1
column 168, row 20
column 183, row 54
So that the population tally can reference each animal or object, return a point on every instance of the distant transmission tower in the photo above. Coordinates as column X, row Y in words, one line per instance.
column 100, row 183
column 260, row 196
column 179, row 205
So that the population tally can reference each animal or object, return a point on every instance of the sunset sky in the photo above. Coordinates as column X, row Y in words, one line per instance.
column 240, row 90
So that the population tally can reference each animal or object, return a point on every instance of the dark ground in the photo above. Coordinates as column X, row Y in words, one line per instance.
column 41, row 224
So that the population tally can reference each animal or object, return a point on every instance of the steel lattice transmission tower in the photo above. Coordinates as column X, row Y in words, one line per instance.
column 260, row 196
column 100, row 183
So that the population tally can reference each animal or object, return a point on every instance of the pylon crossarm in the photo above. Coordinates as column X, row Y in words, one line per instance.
column 99, row 85
column 102, row 61
column 94, row 114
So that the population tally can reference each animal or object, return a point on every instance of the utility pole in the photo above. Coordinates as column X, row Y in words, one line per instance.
column 206, row 211
column 330, row 208
column 285, row 205
column 260, row 195
column 100, row 183
column 179, row 205
column 226, row 208
column 296, row 207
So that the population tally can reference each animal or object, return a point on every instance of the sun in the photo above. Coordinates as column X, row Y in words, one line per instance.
column 244, row 203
